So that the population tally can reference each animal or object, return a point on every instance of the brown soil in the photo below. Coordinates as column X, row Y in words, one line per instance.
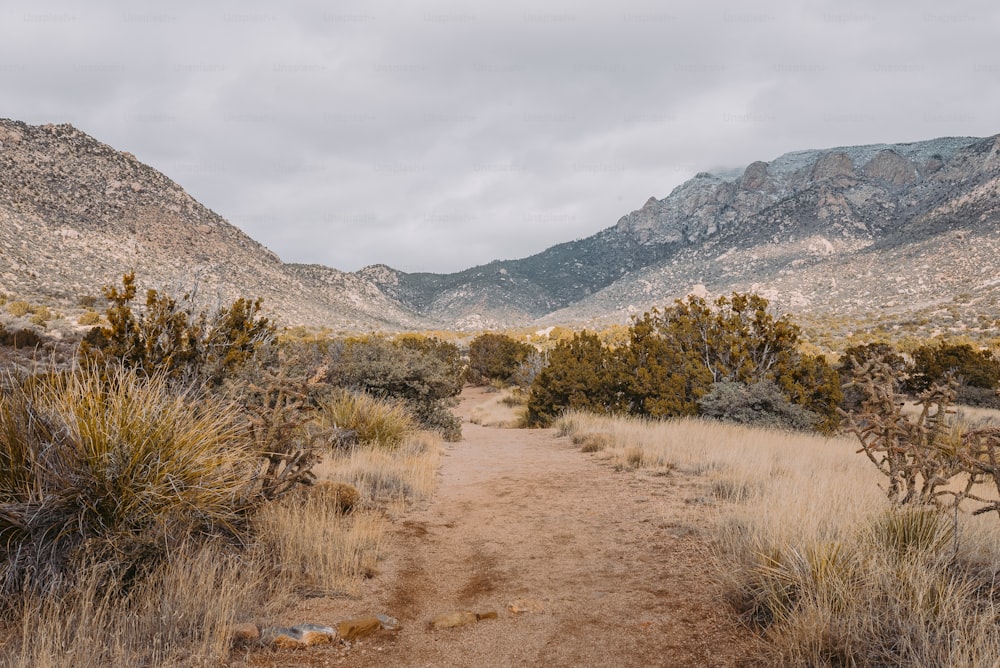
column 617, row 561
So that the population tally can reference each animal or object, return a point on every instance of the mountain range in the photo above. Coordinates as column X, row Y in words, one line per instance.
column 896, row 237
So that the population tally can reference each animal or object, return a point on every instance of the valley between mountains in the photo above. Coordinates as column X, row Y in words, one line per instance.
column 899, row 238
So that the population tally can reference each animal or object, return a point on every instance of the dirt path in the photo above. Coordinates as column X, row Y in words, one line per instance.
column 616, row 561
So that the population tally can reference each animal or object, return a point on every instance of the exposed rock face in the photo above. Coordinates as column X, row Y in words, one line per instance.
column 891, row 168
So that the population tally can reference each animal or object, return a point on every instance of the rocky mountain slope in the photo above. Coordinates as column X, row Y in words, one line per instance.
column 75, row 214
column 902, row 237
column 898, row 236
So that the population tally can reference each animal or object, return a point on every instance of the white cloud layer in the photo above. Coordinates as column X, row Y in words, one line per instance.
column 435, row 135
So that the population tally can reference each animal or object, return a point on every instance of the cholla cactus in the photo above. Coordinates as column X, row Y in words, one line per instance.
column 918, row 456
column 929, row 458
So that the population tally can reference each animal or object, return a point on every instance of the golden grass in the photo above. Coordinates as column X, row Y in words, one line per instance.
column 503, row 410
column 179, row 617
column 377, row 422
column 810, row 551
column 317, row 549
column 408, row 473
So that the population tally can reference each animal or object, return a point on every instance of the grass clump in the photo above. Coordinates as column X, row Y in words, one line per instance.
column 378, row 423
column 89, row 318
column 18, row 309
column 111, row 468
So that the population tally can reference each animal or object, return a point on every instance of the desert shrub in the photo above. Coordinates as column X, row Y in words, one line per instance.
column 167, row 336
column 971, row 367
column 18, row 309
column 426, row 373
column 582, row 374
column 19, row 338
column 88, row 318
column 761, row 404
column 379, row 423
column 678, row 353
column 982, row 397
column 497, row 357
column 674, row 357
column 112, row 468
column 856, row 357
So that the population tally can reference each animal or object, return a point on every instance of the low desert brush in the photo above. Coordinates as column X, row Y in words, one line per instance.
column 115, row 468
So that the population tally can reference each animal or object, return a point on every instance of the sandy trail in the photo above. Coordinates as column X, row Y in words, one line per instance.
column 617, row 561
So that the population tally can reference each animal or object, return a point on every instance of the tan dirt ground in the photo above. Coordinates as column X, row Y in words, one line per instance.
column 618, row 562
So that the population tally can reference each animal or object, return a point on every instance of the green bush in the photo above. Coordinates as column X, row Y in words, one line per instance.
column 167, row 336
column 497, row 357
column 973, row 368
column 112, row 468
column 674, row 357
column 582, row 374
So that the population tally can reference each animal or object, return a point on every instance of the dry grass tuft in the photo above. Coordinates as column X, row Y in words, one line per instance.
column 315, row 547
column 378, row 423
column 300, row 544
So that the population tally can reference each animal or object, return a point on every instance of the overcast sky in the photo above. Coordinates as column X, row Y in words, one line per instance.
column 434, row 136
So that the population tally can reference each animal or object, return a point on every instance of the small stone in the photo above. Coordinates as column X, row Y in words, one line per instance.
column 359, row 627
column 297, row 637
column 522, row 605
column 388, row 623
column 313, row 634
column 281, row 638
column 454, row 619
column 489, row 614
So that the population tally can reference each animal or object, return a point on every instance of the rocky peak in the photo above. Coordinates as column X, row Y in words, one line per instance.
column 891, row 168
column 76, row 214
column 835, row 167
column 755, row 177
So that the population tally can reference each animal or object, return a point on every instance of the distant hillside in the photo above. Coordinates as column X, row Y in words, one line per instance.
column 905, row 234
column 75, row 214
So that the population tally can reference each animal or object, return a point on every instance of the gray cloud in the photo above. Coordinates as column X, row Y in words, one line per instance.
column 437, row 135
